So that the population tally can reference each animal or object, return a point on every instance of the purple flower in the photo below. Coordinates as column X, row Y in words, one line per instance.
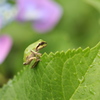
column 44, row 14
column 8, row 13
column 5, row 46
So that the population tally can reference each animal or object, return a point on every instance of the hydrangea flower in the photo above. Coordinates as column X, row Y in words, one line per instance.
column 44, row 14
column 8, row 13
column 5, row 46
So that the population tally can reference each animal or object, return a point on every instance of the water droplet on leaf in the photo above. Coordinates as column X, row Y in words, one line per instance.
column 91, row 66
column 99, row 55
column 75, row 73
column 92, row 92
column 85, row 86
column 81, row 80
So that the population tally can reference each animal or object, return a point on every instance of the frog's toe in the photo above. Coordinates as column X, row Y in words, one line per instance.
column 24, row 63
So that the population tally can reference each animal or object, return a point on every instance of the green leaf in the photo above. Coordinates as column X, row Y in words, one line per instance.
column 71, row 75
column 94, row 3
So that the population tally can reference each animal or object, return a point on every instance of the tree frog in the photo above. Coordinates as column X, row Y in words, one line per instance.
column 31, row 53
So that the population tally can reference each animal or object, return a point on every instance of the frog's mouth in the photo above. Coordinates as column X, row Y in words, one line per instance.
column 41, row 45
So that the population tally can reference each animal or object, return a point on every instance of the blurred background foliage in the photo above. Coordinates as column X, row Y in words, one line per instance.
column 78, row 27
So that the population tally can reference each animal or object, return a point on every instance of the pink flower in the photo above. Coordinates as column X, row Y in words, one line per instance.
column 5, row 46
column 44, row 14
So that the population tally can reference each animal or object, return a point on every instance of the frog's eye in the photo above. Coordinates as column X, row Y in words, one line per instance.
column 41, row 45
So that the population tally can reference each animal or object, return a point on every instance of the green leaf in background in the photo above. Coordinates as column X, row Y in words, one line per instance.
column 74, row 75
column 94, row 3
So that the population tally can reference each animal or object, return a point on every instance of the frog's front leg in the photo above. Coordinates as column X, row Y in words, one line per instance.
column 36, row 53
column 29, row 60
column 34, row 62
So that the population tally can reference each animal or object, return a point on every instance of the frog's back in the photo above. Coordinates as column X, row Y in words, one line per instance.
column 33, row 46
column 29, row 48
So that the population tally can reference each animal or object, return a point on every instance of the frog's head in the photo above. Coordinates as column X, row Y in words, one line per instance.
column 41, row 44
